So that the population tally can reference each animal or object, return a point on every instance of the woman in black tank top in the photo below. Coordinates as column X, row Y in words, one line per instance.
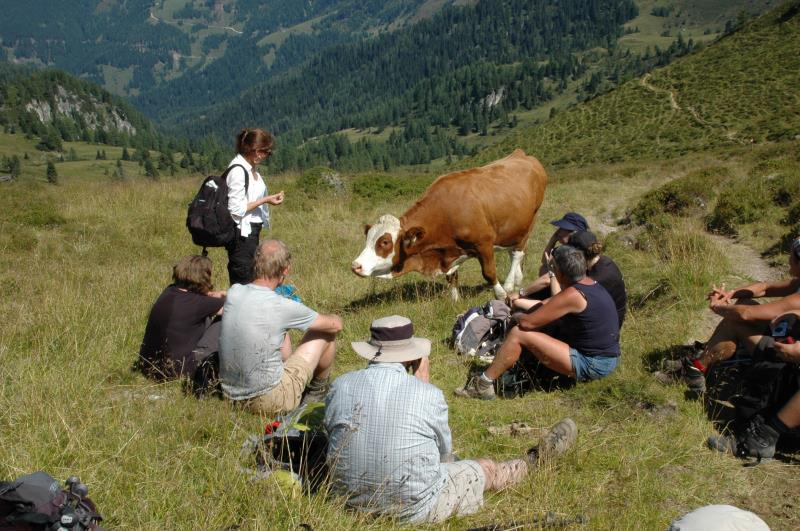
column 586, row 345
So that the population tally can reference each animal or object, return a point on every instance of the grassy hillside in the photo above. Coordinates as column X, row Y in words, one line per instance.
column 82, row 262
column 738, row 91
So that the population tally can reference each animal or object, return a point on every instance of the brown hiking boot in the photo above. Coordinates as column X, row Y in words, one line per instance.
column 682, row 370
column 316, row 391
column 555, row 442
column 476, row 387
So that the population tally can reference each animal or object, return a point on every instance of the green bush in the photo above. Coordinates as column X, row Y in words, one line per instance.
column 384, row 187
column 745, row 201
column 680, row 197
column 313, row 182
column 785, row 188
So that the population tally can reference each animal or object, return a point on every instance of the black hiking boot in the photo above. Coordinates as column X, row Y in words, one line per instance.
column 758, row 440
column 682, row 370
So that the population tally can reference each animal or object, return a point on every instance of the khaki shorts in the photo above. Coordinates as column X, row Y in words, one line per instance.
column 285, row 396
column 462, row 494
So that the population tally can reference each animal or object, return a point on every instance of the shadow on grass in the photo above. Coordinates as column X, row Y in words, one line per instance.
column 421, row 289
column 653, row 360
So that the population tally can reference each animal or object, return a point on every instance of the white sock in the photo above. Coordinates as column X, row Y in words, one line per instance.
column 485, row 378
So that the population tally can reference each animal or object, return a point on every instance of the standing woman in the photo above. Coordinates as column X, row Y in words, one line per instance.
column 248, row 208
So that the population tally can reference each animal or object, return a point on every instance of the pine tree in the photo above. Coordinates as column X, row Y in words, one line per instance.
column 150, row 170
column 52, row 174
column 125, row 154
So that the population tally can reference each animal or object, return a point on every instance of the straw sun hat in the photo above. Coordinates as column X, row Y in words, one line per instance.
column 392, row 341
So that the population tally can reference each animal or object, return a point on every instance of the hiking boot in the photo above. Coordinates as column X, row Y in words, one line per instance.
column 682, row 370
column 724, row 444
column 758, row 440
column 316, row 391
column 555, row 441
column 477, row 387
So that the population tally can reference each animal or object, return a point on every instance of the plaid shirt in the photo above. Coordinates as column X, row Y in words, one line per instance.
column 388, row 431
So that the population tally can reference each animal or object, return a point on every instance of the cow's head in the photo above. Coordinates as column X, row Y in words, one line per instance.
column 380, row 249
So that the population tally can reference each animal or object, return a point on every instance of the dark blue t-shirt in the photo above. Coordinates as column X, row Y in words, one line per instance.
column 594, row 331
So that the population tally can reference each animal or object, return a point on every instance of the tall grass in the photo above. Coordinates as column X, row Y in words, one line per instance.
column 81, row 263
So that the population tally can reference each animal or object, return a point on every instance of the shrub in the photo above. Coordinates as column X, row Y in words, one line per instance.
column 743, row 202
column 320, row 181
column 384, row 188
column 679, row 197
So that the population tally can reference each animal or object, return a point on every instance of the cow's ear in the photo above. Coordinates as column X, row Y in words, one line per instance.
column 366, row 229
column 412, row 236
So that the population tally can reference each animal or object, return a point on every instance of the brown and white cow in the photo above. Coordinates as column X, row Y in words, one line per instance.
column 461, row 215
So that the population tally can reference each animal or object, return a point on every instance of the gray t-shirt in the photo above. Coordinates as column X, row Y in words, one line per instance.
column 254, row 324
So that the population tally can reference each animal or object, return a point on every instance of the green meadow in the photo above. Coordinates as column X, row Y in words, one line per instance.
column 82, row 261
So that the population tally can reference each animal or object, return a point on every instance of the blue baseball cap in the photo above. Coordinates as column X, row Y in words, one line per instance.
column 571, row 221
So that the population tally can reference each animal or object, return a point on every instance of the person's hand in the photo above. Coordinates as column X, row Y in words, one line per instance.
column 716, row 301
column 720, row 294
column 275, row 199
column 511, row 297
column 788, row 351
column 549, row 262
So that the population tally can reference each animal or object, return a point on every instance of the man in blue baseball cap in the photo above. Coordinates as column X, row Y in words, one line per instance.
column 570, row 223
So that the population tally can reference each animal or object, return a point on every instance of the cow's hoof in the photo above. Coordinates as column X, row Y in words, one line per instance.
column 499, row 292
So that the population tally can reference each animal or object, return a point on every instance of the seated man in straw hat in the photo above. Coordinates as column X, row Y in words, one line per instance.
column 390, row 449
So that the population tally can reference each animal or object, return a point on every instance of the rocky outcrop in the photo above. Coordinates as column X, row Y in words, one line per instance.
column 96, row 114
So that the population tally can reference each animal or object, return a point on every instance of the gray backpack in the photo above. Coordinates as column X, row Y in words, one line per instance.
column 480, row 331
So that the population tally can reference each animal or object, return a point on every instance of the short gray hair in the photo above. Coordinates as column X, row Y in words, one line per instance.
column 272, row 257
column 571, row 262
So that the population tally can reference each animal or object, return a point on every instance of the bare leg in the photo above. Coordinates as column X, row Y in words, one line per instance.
column 553, row 354
column 790, row 412
column 726, row 337
column 318, row 349
column 501, row 475
column 286, row 348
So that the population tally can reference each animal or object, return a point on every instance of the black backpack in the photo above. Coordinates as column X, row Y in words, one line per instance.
column 37, row 501
column 296, row 444
column 209, row 221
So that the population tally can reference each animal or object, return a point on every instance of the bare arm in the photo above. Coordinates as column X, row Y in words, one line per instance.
column 754, row 312
column 780, row 288
column 327, row 323
column 567, row 301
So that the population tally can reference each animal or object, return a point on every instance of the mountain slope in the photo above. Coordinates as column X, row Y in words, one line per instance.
column 367, row 83
column 197, row 48
column 57, row 106
column 739, row 90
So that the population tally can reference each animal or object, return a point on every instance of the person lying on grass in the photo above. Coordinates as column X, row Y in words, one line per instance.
column 761, row 434
column 183, row 326
column 583, row 345
column 745, row 325
column 258, row 367
column 598, row 267
column 390, row 449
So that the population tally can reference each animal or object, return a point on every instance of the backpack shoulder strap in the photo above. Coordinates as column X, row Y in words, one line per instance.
column 246, row 175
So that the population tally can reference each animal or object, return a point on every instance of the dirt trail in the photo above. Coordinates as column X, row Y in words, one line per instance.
column 673, row 102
